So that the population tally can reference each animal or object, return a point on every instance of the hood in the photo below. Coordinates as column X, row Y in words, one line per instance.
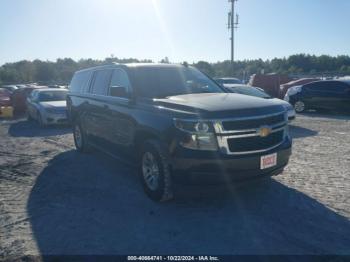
column 55, row 104
column 221, row 104
column 283, row 103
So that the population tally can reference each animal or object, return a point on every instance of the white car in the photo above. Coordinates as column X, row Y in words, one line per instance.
column 48, row 106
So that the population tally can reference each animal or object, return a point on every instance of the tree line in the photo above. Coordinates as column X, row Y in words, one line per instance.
column 62, row 70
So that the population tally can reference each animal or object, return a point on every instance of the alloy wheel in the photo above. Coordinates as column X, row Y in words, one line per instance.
column 299, row 106
column 150, row 171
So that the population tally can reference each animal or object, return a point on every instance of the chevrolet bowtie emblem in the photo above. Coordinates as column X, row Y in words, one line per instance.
column 264, row 131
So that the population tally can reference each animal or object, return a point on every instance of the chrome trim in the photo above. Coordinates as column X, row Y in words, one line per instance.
column 223, row 146
column 253, row 134
column 220, row 130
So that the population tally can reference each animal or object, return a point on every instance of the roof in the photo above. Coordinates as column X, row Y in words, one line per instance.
column 133, row 65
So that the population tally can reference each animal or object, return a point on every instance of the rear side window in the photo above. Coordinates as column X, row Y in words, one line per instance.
column 101, row 81
column 80, row 82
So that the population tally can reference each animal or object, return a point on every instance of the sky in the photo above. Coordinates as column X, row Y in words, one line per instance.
column 182, row 30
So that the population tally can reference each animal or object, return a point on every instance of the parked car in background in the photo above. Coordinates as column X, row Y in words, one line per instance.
column 302, row 81
column 258, row 92
column 10, row 88
column 228, row 80
column 328, row 95
column 5, row 97
column 174, row 121
column 48, row 106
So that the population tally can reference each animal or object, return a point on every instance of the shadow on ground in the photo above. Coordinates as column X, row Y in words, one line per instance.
column 24, row 128
column 301, row 132
column 89, row 204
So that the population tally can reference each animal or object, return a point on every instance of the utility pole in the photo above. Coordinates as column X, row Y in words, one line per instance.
column 232, row 25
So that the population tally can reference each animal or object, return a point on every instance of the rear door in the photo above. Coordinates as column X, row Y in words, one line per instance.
column 95, row 118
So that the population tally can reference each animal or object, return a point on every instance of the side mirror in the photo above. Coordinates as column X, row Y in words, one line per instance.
column 119, row 91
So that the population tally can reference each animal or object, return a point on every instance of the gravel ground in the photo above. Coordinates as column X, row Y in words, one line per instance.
column 54, row 200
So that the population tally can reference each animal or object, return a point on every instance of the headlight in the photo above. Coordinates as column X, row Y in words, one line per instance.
column 198, row 135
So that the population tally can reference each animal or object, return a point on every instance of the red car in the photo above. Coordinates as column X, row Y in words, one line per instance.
column 5, row 97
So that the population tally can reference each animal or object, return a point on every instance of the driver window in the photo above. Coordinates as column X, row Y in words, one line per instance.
column 119, row 79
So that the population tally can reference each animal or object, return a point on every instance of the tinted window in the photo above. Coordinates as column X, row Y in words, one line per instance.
column 47, row 96
column 120, row 78
column 101, row 81
column 316, row 86
column 80, row 81
column 159, row 82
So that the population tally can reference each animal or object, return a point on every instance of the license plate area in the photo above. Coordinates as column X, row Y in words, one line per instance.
column 268, row 161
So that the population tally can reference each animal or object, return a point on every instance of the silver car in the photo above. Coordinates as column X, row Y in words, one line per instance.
column 258, row 92
column 48, row 106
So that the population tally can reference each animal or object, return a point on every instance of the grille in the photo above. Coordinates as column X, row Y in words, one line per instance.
column 252, row 123
column 255, row 143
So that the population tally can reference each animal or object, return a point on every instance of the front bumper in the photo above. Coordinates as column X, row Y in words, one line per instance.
column 217, row 166
column 55, row 118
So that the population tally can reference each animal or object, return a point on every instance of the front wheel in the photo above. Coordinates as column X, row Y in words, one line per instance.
column 155, row 171
column 80, row 139
column 299, row 106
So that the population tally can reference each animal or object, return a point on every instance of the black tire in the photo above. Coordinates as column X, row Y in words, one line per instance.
column 163, row 190
column 80, row 139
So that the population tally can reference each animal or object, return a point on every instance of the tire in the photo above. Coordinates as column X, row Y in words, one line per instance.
column 299, row 106
column 155, row 171
column 80, row 139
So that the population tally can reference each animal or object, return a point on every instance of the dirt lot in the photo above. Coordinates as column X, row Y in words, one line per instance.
column 54, row 200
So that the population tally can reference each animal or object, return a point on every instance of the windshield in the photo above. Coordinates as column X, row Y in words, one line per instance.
column 160, row 82
column 250, row 91
column 52, row 96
